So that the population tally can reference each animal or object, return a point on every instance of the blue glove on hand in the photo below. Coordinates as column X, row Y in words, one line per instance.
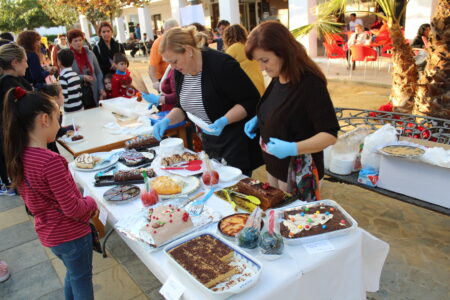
column 151, row 98
column 160, row 127
column 281, row 149
column 217, row 126
column 250, row 127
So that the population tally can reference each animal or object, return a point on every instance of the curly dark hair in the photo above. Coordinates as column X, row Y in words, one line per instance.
column 422, row 29
column 73, row 34
column 27, row 39
column 234, row 34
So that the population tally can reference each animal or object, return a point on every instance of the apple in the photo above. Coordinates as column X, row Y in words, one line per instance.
column 149, row 198
column 210, row 177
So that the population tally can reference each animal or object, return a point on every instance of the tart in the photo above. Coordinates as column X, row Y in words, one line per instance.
column 122, row 193
column 164, row 185
column 402, row 150
column 86, row 161
column 230, row 226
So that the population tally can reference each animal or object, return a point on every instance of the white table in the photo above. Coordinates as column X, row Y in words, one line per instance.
column 346, row 273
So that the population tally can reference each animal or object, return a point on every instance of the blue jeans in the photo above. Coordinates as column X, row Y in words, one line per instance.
column 77, row 257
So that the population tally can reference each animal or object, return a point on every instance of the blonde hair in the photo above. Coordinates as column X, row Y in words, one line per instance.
column 176, row 39
column 8, row 53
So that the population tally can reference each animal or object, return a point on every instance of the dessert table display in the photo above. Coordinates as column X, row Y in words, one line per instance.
column 302, row 250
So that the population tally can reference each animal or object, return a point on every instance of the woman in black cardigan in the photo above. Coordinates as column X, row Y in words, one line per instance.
column 106, row 48
column 295, row 116
column 212, row 86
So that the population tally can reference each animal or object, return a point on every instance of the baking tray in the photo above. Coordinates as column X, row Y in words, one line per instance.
column 252, row 266
column 325, row 235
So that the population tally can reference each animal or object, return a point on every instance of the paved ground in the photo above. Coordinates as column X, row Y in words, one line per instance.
column 417, row 266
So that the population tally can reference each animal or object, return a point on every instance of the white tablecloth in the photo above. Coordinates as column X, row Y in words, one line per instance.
column 346, row 273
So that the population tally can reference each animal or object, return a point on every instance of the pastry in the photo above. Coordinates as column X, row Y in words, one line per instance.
column 85, row 161
column 206, row 258
column 232, row 225
column 166, row 222
column 165, row 185
column 132, row 157
column 143, row 141
column 312, row 220
column 400, row 150
column 77, row 137
column 268, row 195
column 177, row 158
column 135, row 174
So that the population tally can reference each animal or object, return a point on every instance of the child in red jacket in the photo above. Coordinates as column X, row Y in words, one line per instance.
column 121, row 80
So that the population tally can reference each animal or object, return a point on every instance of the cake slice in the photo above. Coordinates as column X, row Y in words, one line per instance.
column 268, row 195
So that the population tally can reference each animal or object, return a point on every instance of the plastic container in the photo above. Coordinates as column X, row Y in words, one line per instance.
column 342, row 164
column 249, row 261
column 171, row 145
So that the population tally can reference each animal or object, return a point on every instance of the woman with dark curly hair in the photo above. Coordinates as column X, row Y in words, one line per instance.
column 234, row 38
column 106, row 47
column 421, row 40
column 30, row 40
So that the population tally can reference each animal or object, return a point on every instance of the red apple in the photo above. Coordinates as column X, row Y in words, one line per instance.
column 149, row 198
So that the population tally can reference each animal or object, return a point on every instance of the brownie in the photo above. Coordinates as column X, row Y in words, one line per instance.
column 268, row 195
column 333, row 219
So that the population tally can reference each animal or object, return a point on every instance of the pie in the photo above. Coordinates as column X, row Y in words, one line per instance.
column 399, row 150
column 233, row 224
column 164, row 185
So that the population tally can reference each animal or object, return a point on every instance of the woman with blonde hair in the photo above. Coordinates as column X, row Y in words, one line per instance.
column 13, row 66
column 234, row 38
column 212, row 86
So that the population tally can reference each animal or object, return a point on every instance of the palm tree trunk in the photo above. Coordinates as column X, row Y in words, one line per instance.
column 433, row 93
column 404, row 72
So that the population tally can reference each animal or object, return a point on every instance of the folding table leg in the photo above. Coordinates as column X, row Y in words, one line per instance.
column 104, row 241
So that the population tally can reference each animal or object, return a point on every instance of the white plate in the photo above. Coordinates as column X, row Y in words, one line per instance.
column 191, row 183
column 98, row 166
column 227, row 173
column 199, row 122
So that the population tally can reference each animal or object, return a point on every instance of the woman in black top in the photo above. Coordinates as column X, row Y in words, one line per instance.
column 213, row 87
column 295, row 116
column 106, row 48
column 13, row 65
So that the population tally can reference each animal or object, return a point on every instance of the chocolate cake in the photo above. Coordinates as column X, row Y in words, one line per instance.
column 206, row 258
column 132, row 157
column 268, row 195
column 312, row 220
column 142, row 141
column 135, row 174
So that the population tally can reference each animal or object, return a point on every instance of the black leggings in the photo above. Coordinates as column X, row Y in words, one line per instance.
column 3, row 171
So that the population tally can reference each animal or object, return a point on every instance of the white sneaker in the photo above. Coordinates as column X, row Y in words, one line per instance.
column 4, row 272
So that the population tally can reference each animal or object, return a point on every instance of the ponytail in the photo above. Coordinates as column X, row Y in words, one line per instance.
column 20, row 110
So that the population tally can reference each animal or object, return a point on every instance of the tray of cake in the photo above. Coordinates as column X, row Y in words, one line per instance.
column 123, row 177
column 218, row 268
column 164, row 223
column 315, row 221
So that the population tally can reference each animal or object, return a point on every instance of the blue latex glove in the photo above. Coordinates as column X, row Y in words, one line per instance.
column 217, row 126
column 281, row 149
column 151, row 98
column 250, row 127
column 160, row 127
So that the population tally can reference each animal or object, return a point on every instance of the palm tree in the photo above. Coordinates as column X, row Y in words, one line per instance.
column 433, row 92
column 404, row 72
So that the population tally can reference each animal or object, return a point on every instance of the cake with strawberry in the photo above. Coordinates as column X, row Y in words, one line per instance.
column 269, row 196
column 164, row 223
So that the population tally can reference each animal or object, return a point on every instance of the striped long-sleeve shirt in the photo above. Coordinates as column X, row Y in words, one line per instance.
column 71, row 88
column 61, row 213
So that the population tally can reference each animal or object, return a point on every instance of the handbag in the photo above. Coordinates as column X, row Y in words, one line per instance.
column 97, row 227
column 87, row 95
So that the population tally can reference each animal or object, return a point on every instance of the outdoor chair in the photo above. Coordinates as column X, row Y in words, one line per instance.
column 386, row 51
column 333, row 51
column 362, row 53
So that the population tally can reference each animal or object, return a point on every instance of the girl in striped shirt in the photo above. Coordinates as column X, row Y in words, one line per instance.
column 61, row 214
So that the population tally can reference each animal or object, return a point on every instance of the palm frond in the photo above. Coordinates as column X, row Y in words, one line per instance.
column 323, row 27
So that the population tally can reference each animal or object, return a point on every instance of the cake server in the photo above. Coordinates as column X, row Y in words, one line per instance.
column 228, row 198
column 197, row 207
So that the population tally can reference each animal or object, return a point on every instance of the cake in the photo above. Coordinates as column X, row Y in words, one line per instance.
column 164, row 185
column 143, row 141
column 166, row 222
column 77, row 137
column 122, row 193
column 132, row 157
column 268, row 195
column 135, row 174
column 85, row 161
column 205, row 258
column 312, row 220
column 177, row 158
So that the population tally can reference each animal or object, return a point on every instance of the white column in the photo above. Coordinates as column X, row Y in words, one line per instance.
column 175, row 6
column 120, row 26
column 418, row 12
column 229, row 10
column 85, row 26
column 145, row 21
column 300, row 13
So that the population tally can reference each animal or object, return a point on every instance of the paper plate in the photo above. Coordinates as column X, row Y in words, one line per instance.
column 99, row 166
column 199, row 122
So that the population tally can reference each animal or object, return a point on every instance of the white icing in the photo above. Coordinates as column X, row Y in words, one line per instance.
column 297, row 220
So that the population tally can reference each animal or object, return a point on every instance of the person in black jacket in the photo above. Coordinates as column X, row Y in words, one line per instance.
column 13, row 65
column 106, row 48
column 212, row 86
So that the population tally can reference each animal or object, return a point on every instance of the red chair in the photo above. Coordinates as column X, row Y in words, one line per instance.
column 334, row 38
column 333, row 51
column 386, row 51
column 362, row 53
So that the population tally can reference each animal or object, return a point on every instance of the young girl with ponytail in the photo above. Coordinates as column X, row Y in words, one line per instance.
column 61, row 214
